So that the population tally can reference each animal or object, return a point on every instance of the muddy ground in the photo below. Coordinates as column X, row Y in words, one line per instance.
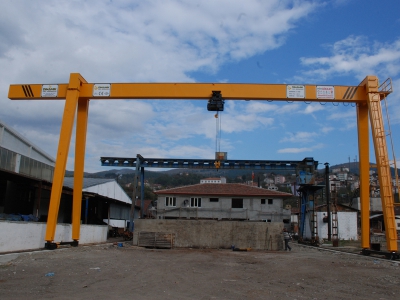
column 111, row 272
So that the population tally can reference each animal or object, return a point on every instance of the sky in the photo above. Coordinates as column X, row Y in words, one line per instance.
column 336, row 42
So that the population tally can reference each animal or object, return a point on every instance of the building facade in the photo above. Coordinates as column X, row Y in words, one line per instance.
column 230, row 201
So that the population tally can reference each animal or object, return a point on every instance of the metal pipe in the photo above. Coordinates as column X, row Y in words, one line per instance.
column 327, row 192
column 86, row 210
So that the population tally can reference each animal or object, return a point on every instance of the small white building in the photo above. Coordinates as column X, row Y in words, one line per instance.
column 279, row 179
column 213, row 180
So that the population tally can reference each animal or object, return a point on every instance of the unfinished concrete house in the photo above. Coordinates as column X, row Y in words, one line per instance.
column 216, row 215
column 222, row 201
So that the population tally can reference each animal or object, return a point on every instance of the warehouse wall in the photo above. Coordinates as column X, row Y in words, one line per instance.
column 20, row 236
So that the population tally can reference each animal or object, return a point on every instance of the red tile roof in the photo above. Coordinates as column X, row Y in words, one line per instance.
column 227, row 189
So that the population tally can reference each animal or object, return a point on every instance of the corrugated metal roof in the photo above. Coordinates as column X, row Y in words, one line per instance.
column 101, row 186
column 87, row 182
column 24, row 140
column 225, row 189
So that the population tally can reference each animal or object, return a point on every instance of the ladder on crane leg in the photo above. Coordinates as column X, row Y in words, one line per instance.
column 382, row 158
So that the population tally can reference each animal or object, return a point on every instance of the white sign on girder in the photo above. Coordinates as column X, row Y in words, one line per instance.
column 295, row 91
column 325, row 92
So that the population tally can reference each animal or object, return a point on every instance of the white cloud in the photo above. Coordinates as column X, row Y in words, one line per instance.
column 355, row 55
column 326, row 129
column 313, row 107
column 295, row 150
column 299, row 137
column 136, row 41
column 343, row 115
column 302, row 149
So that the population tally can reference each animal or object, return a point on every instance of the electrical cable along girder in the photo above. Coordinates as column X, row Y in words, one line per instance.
column 366, row 97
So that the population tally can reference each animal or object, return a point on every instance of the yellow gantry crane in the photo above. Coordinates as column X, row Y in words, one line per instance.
column 366, row 96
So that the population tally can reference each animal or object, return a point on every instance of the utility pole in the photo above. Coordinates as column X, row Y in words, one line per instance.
column 328, row 210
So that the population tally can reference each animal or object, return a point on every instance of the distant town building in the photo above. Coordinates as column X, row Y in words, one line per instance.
column 342, row 176
column 213, row 180
column 230, row 201
column 279, row 179
column 268, row 180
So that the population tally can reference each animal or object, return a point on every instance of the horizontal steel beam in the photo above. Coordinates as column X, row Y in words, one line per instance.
column 229, row 91
column 170, row 163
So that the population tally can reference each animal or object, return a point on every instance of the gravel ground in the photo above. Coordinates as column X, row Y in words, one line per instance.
column 110, row 272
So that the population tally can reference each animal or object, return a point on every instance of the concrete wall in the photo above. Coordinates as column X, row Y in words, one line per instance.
column 19, row 236
column 375, row 204
column 347, row 225
column 252, row 209
column 216, row 234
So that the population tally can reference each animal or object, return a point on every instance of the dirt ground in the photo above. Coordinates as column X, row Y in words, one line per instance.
column 110, row 272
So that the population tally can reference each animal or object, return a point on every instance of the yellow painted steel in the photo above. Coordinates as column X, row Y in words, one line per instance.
column 71, row 102
column 229, row 91
column 382, row 161
column 77, row 92
column 81, row 129
column 363, row 152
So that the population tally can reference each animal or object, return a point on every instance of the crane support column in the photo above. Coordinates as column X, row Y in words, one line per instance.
column 81, row 129
column 70, row 107
column 363, row 152
column 382, row 160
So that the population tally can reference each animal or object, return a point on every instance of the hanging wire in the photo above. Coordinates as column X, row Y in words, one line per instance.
column 346, row 103
column 220, row 133
column 216, row 132
column 322, row 103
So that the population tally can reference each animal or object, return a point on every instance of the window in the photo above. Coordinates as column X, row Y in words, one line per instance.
column 214, row 199
column 170, row 201
column 262, row 201
column 237, row 203
column 270, row 201
column 195, row 202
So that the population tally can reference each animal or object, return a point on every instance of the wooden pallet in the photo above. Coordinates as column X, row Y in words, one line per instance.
column 156, row 239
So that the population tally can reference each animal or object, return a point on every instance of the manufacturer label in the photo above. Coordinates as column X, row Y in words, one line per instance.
column 325, row 92
column 101, row 90
column 49, row 90
column 295, row 91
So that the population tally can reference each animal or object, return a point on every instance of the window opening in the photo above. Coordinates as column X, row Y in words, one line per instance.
column 170, row 201
column 237, row 203
column 195, row 202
